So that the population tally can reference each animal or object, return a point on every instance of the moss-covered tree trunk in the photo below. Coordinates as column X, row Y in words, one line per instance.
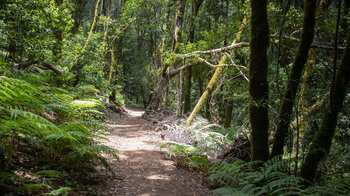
column 294, row 77
column 163, row 79
column 178, row 41
column 110, row 60
column 57, row 31
column 258, row 87
column 188, row 83
column 215, row 77
column 322, row 141
column 179, row 95
column 180, row 12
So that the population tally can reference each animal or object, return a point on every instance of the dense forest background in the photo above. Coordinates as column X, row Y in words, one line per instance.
column 273, row 72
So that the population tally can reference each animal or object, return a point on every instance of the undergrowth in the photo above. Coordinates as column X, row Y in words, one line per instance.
column 240, row 178
column 47, row 131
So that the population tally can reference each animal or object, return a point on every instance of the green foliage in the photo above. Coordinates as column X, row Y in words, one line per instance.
column 30, row 25
column 37, row 185
column 272, row 178
column 60, row 191
column 44, row 126
column 185, row 156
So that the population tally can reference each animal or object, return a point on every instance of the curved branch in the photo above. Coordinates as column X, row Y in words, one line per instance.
column 88, row 38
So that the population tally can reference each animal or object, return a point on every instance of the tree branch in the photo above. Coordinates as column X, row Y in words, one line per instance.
column 223, row 49
column 240, row 71
column 211, row 65
column 88, row 38
column 45, row 64
column 313, row 45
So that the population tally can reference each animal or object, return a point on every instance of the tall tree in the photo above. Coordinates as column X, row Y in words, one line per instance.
column 187, row 93
column 57, row 50
column 322, row 141
column 163, row 78
column 258, row 86
column 78, row 14
column 300, row 59
column 88, row 38
column 180, row 13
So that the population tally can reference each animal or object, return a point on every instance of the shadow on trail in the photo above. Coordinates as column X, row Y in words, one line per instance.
column 143, row 170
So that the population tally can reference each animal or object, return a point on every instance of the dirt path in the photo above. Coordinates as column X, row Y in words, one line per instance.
column 143, row 171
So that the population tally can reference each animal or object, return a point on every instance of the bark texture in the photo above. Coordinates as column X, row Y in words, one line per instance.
column 188, row 83
column 57, row 31
column 187, row 92
column 180, row 12
column 178, row 41
column 258, row 86
column 164, row 77
column 322, row 141
column 286, row 108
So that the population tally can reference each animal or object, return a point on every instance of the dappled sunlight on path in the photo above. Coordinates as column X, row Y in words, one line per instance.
column 142, row 170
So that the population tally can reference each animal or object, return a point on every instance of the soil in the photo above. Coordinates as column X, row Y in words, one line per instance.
column 143, row 171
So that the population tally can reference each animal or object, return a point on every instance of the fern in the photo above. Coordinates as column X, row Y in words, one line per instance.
column 271, row 178
column 50, row 173
column 44, row 124
column 60, row 191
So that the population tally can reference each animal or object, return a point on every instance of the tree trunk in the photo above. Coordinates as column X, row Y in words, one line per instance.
column 188, row 83
column 108, row 15
column 228, row 113
column 88, row 38
column 108, row 66
column 164, row 77
column 179, row 96
column 78, row 13
column 158, row 92
column 207, row 108
column 178, row 40
column 294, row 77
column 57, row 49
column 258, row 86
column 187, row 92
column 322, row 141
column 180, row 12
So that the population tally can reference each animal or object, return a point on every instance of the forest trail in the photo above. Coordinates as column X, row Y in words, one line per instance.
column 143, row 171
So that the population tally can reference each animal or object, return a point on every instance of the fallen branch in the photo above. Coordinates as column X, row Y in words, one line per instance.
column 313, row 45
column 26, row 63
column 201, row 60
column 45, row 64
column 173, row 72
column 215, row 77
column 223, row 49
